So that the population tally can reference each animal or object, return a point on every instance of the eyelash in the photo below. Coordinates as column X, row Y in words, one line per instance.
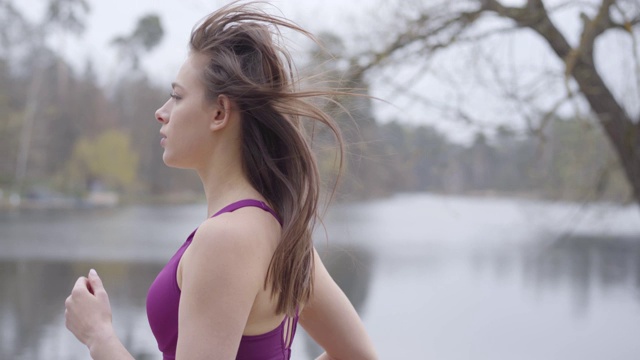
column 174, row 95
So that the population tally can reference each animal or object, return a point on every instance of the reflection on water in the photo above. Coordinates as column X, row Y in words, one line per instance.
column 32, row 294
column 458, row 297
column 586, row 264
column 581, row 264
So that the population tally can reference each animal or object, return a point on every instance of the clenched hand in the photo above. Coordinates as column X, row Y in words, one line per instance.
column 88, row 312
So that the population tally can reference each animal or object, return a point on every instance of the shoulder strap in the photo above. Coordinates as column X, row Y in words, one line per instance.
column 245, row 203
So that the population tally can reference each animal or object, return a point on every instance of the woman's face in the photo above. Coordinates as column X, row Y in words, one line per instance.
column 185, row 133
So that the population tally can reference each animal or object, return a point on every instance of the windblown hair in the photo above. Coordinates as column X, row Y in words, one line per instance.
column 248, row 63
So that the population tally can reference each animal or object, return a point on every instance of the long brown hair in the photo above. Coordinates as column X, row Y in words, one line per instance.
column 248, row 63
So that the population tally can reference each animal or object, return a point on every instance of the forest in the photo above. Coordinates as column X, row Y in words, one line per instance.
column 64, row 134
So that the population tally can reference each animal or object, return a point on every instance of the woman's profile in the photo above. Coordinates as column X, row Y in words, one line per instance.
column 242, row 281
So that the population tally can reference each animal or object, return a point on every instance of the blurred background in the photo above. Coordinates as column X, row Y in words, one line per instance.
column 490, row 204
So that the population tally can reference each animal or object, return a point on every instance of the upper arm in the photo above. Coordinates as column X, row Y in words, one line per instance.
column 332, row 321
column 221, row 275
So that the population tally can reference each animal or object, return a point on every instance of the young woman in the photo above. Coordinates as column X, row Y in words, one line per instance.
column 238, row 286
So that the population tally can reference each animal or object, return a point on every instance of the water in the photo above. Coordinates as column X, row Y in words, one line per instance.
column 432, row 277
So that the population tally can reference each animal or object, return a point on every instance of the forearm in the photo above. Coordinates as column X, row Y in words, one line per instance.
column 109, row 347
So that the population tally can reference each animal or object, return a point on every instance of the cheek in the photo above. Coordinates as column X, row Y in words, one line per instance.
column 187, row 143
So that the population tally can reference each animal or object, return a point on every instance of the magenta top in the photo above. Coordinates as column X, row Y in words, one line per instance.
column 163, row 300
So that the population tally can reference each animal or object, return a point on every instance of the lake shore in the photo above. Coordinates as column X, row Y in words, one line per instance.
column 502, row 276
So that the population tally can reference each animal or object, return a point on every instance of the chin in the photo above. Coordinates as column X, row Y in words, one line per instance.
column 169, row 161
column 172, row 162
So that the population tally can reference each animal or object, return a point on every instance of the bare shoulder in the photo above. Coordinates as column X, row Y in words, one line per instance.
column 244, row 235
column 223, row 270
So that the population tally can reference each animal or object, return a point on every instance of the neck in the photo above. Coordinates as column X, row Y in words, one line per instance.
column 222, row 174
column 225, row 183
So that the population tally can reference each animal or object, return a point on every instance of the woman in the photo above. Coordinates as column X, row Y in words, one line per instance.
column 238, row 286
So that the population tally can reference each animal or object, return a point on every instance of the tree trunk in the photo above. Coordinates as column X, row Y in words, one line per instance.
column 623, row 133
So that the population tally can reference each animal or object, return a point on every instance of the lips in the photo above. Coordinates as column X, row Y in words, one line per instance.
column 163, row 139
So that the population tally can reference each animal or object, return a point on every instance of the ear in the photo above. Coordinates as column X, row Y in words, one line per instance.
column 221, row 113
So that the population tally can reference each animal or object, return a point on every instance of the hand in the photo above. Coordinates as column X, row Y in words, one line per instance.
column 88, row 312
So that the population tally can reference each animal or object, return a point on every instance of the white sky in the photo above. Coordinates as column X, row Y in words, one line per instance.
column 453, row 73
column 111, row 18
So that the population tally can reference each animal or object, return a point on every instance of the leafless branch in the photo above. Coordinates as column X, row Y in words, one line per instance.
column 524, row 96
column 408, row 93
column 592, row 29
column 533, row 16
column 487, row 34
column 441, row 29
column 570, row 3
column 420, row 30
column 628, row 27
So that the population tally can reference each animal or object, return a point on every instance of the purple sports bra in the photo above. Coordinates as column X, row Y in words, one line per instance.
column 163, row 300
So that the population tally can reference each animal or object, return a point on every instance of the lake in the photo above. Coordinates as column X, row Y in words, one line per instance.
column 433, row 277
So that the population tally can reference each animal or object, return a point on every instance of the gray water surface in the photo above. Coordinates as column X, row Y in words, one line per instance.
column 433, row 277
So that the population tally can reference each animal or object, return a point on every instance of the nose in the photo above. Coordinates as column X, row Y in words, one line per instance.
column 161, row 114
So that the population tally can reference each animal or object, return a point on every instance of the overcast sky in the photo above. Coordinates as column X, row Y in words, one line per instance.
column 452, row 74
column 111, row 18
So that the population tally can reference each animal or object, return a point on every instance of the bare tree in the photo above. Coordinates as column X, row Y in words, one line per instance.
column 428, row 27
column 146, row 36
column 67, row 16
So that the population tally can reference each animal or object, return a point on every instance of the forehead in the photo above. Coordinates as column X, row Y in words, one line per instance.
column 191, row 71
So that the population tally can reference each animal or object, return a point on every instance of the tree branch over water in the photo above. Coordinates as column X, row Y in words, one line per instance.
column 443, row 26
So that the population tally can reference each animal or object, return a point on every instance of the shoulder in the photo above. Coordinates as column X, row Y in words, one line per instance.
column 223, row 270
column 245, row 227
column 243, row 238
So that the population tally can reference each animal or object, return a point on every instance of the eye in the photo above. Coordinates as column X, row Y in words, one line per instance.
column 174, row 96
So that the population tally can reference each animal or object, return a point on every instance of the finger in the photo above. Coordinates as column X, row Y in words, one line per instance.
column 90, row 287
column 81, row 282
column 95, row 281
column 79, row 286
column 96, row 284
